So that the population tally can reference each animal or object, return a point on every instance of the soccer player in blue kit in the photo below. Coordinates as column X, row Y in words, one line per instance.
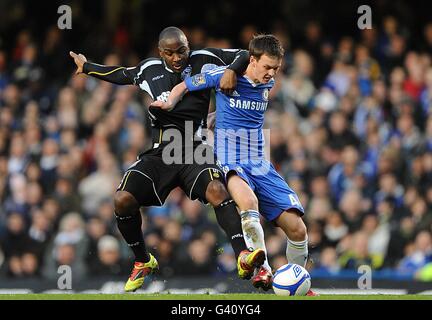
column 252, row 180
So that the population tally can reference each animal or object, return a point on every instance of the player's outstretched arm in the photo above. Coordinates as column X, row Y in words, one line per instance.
column 228, row 81
column 197, row 82
column 211, row 120
column 111, row 74
column 175, row 96
column 236, row 60
column 79, row 60
column 238, row 66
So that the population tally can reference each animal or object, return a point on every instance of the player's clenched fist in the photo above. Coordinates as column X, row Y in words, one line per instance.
column 79, row 60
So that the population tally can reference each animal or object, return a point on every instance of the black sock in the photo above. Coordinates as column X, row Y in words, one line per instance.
column 229, row 220
column 130, row 228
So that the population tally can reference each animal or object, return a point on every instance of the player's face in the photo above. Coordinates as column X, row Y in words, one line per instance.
column 175, row 52
column 265, row 68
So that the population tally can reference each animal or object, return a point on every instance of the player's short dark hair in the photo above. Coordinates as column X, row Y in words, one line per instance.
column 266, row 44
column 171, row 32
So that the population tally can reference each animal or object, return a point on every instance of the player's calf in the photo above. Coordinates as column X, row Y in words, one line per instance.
column 129, row 222
column 229, row 220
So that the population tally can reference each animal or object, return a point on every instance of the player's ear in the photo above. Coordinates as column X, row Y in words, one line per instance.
column 253, row 60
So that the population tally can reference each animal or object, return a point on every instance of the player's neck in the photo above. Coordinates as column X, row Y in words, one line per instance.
column 250, row 74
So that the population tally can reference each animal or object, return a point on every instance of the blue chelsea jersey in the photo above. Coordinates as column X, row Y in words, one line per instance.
column 239, row 116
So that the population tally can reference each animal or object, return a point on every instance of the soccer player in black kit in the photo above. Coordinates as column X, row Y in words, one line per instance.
column 149, row 181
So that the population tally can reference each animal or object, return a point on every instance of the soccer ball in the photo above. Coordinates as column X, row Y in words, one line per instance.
column 291, row 280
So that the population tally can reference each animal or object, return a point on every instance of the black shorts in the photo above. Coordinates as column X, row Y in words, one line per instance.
column 150, row 180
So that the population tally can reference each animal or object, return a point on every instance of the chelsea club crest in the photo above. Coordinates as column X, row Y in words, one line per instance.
column 265, row 94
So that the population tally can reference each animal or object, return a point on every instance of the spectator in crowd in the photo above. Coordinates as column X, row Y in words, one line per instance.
column 328, row 261
column 109, row 260
column 418, row 253
column 358, row 253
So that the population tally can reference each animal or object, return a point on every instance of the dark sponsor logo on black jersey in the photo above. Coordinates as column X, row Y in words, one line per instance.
column 158, row 77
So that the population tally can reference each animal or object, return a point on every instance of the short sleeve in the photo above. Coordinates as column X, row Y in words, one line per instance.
column 204, row 80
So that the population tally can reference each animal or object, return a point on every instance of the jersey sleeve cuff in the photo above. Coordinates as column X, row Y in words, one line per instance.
column 85, row 68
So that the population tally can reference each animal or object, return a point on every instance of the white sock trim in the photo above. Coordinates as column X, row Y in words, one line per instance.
column 297, row 244
column 250, row 214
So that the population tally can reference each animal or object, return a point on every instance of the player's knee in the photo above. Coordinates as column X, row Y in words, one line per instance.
column 249, row 203
column 125, row 203
column 216, row 193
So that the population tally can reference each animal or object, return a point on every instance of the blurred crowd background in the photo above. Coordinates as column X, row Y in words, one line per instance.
column 350, row 120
